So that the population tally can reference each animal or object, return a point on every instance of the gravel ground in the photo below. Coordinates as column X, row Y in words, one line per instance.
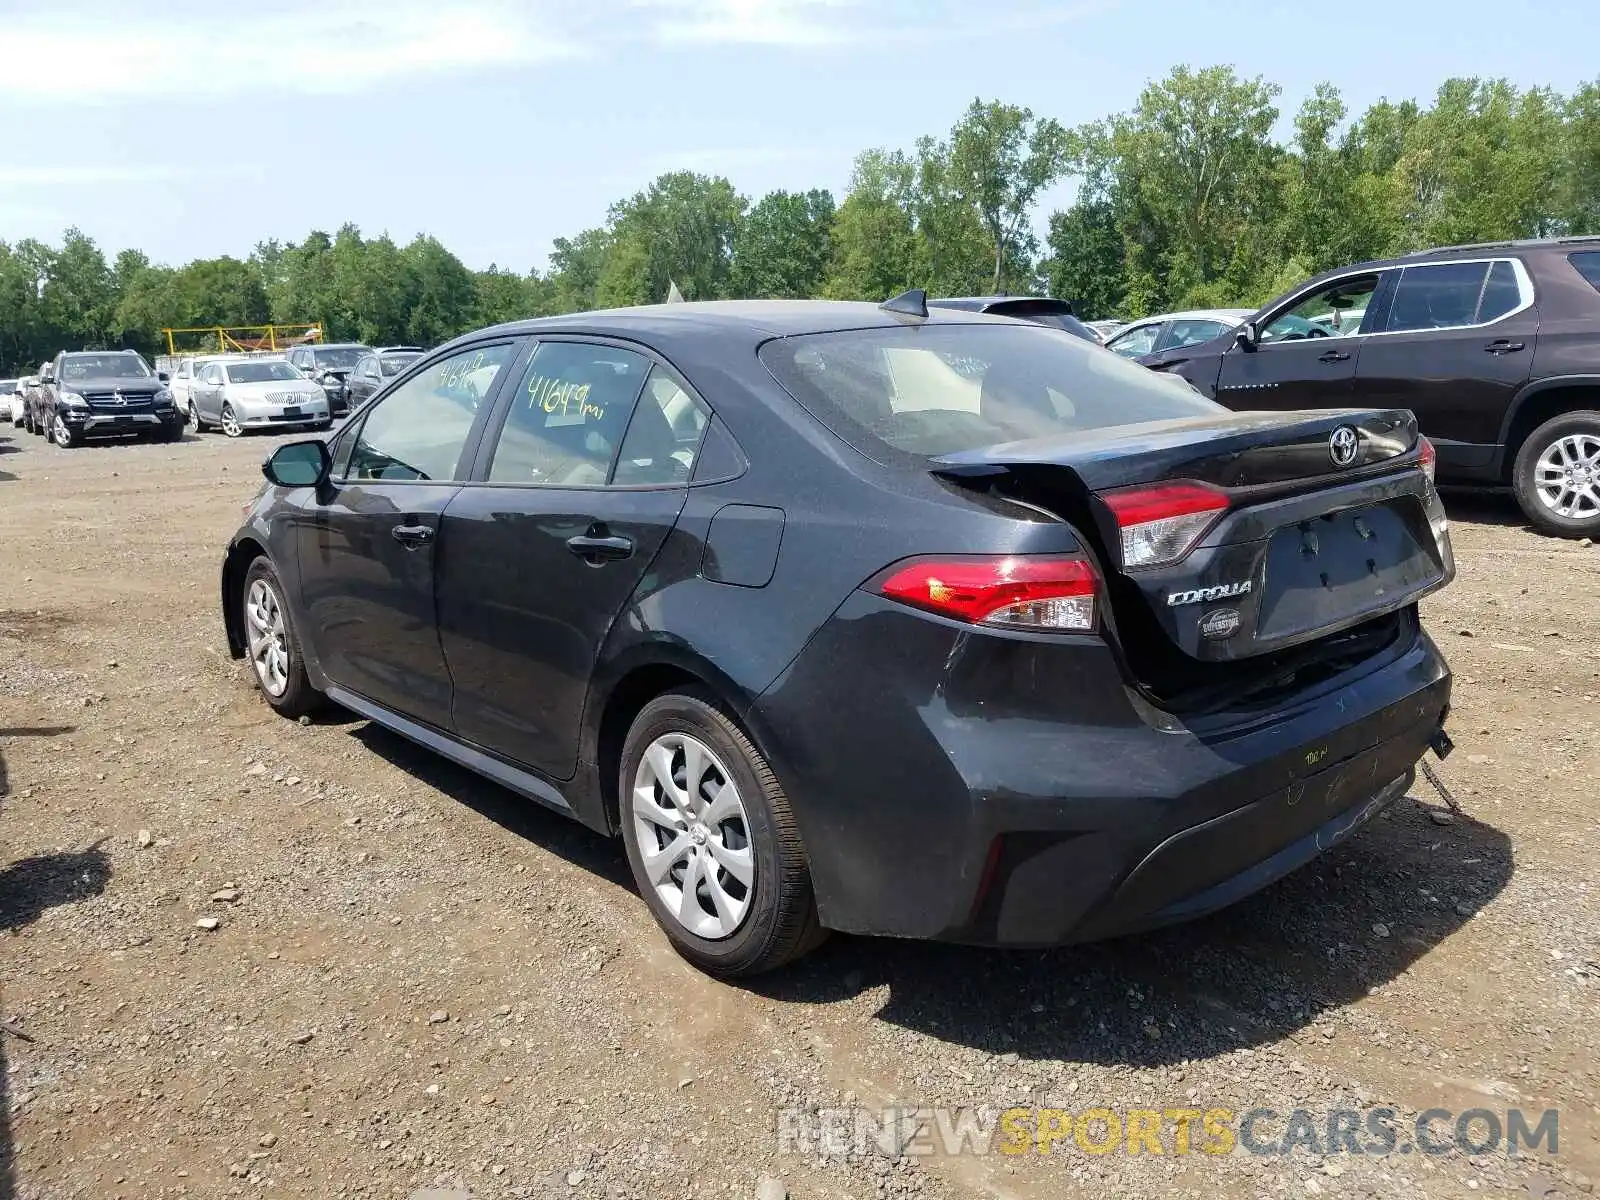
column 241, row 956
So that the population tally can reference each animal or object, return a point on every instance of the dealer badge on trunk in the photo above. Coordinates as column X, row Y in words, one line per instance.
column 1220, row 623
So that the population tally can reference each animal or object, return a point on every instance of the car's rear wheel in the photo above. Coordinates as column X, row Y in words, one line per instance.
column 230, row 422
column 61, row 433
column 1557, row 475
column 712, row 841
column 272, row 645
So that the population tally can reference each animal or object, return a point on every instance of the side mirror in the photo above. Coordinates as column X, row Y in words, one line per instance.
column 163, row 377
column 299, row 464
column 1246, row 335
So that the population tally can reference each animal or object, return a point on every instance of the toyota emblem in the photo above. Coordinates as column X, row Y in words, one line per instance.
column 1342, row 446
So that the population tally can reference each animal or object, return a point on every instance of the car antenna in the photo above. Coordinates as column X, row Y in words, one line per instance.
column 913, row 303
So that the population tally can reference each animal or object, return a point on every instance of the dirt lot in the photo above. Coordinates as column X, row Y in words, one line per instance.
column 422, row 982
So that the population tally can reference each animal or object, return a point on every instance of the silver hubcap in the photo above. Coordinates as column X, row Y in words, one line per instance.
column 269, row 640
column 694, row 836
column 61, row 433
column 230, row 423
column 1567, row 476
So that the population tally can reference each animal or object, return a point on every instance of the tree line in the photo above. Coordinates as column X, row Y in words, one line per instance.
column 1185, row 200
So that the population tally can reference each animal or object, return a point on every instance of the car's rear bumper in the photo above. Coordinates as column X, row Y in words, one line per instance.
column 1013, row 791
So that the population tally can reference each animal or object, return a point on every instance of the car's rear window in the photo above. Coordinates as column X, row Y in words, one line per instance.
column 939, row 389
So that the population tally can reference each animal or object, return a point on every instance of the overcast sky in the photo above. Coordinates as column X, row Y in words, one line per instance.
column 497, row 125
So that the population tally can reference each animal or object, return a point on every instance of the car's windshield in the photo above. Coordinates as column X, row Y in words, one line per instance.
column 104, row 366
column 340, row 358
column 940, row 389
column 261, row 372
column 8, row 385
column 393, row 364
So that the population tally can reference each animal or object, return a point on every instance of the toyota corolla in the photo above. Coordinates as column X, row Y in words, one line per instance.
column 866, row 618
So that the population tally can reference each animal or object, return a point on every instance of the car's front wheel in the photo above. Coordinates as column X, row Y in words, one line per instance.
column 272, row 645
column 712, row 841
column 61, row 433
column 230, row 422
column 194, row 418
column 1557, row 475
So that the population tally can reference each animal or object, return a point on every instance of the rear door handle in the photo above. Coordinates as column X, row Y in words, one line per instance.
column 597, row 549
column 412, row 536
column 1333, row 356
column 1504, row 346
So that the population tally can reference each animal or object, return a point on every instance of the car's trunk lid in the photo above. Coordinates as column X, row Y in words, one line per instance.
column 1313, row 536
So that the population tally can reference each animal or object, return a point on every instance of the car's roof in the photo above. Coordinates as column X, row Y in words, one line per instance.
column 1236, row 315
column 340, row 346
column 757, row 320
column 398, row 350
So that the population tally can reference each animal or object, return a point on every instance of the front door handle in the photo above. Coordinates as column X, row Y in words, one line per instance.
column 1333, row 356
column 412, row 536
column 597, row 549
column 1504, row 346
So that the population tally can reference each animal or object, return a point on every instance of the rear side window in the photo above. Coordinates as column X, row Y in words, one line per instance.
column 1501, row 294
column 1588, row 264
column 1442, row 296
column 940, row 389
column 568, row 415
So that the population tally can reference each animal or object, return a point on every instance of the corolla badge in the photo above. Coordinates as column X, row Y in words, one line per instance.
column 1223, row 591
column 1342, row 446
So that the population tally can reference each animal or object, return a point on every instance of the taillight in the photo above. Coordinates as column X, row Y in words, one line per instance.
column 1427, row 457
column 1162, row 522
column 1014, row 592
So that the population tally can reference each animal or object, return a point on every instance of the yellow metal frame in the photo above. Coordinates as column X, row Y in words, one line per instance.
column 234, row 336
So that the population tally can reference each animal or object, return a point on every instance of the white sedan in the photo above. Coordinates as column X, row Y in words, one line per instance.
column 256, row 393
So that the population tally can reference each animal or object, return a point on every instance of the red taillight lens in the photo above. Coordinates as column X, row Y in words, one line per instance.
column 1162, row 522
column 1015, row 592
column 1427, row 457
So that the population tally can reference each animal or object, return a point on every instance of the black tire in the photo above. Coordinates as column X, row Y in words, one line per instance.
column 781, row 922
column 61, row 434
column 1524, row 477
column 298, row 697
column 225, row 412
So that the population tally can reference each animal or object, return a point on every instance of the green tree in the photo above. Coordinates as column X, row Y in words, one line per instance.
column 445, row 297
column 1000, row 159
column 1085, row 264
column 680, row 229
column 575, row 266
column 875, row 251
column 783, row 245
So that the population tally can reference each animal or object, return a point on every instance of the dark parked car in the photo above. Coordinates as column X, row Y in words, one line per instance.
column 330, row 366
column 869, row 619
column 1495, row 347
column 375, row 369
column 1041, row 310
column 103, row 393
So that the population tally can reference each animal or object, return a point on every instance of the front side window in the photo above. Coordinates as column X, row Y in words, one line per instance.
column 417, row 431
column 568, row 415
column 1135, row 342
column 1437, row 296
column 942, row 389
column 1338, row 309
